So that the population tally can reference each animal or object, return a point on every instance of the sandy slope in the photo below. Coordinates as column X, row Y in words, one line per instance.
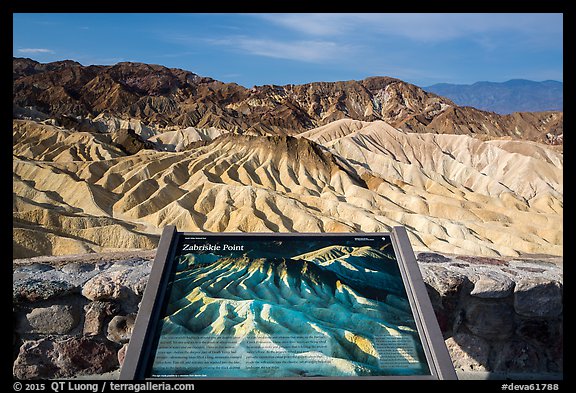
column 73, row 192
column 508, row 193
column 43, row 142
column 178, row 140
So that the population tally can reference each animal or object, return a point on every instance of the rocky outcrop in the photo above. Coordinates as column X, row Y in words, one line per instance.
column 499, row 315
column 130, row 142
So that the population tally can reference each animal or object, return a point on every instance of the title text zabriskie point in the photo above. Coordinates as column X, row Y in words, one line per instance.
column 212, row 247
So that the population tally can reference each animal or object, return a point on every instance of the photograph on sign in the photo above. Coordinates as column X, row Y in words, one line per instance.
column 286, row 306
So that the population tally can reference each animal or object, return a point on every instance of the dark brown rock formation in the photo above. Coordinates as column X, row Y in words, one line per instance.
column 173, row 97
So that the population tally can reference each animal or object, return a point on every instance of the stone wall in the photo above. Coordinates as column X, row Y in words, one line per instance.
column 497, row 315
column 74, row 318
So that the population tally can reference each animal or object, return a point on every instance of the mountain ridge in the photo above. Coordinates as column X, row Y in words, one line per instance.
column 169, row 97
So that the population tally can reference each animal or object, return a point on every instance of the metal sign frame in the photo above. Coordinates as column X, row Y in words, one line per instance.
column 139, row 354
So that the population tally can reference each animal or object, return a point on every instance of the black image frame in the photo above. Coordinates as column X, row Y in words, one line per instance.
column 139, row 355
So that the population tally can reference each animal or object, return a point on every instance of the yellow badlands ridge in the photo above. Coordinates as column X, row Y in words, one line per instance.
column 75, row 192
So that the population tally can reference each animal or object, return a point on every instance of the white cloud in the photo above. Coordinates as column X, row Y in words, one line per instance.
column 421, row 27
column 304, row 50
column 35, row 50
column 312, row 24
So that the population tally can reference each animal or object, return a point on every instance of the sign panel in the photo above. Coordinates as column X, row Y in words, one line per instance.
column 285, row 306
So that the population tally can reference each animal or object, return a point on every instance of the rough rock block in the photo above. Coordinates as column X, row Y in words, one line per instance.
column 120, row 328
column 46, row 358
column 444, row 281
column 491, row 320
column 121, row 283
column 492, row 286
column 538, row 297
column 56, row 319
column 36, row 359
column 468, row 352
column 106, row 286
column 95, row 314
column 32, row 290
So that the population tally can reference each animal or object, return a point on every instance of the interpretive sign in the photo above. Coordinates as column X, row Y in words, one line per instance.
column 244, row 305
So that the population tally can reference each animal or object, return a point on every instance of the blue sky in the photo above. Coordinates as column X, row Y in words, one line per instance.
column 258, row 49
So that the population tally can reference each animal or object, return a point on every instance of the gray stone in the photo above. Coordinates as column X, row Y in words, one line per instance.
column 120, row 328
column 77, row 268
column 531, row 269
column 48, row 358
column 32, row 290
column 23, row 272
column 86, row 356
column 538, row 297
column 56, row 319
column 443, row 280
column 104, row 265
column 490, row 319
column 95, row 314
column 35, row 268
column 117, row 283
column 512, row 272
column 432, row 257
column 536, row 262
column 444, row 287
column 133, row 262
column 75, row 273
column 35, row 360
column 468, row 352
column 138, row 283
column 106, row 286
column 492, row 286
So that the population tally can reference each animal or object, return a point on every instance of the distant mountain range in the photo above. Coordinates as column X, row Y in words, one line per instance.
column 516, row 95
